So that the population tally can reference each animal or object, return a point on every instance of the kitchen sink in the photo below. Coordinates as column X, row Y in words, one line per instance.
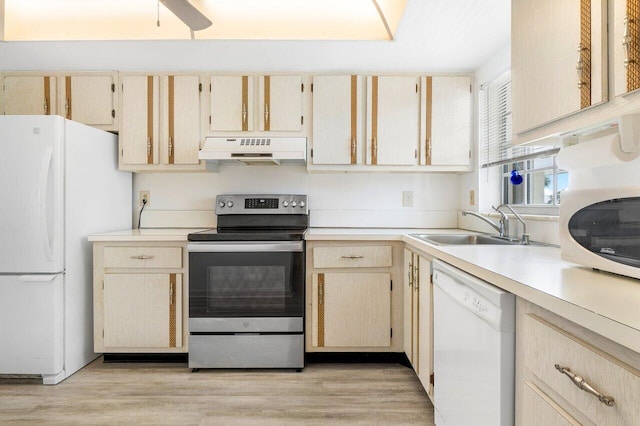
column 464, row 239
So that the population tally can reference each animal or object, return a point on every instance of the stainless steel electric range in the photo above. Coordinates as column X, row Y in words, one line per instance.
column 246, row 284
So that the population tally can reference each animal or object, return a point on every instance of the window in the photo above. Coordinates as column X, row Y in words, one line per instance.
column 541, row 181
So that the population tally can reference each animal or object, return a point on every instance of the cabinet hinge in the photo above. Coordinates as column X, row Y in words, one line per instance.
column 301, row 120
column 209, row 119
column 113, row 87
column 302, row 87
column 391, row 285
column 415, row 153
column 311, row 87
column 469, row 154
column 432, row 379
column 122, row 87
column 210, row 89
column 416, row 87
column 470, row 88
column 311, row 152
column 391, row 332
column 200, row 87
column 113, row 113
column 431, row 278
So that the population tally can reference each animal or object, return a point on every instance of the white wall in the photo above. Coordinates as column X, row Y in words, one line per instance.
column 335, row 199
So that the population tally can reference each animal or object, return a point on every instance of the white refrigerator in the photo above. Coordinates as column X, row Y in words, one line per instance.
column 59, row 182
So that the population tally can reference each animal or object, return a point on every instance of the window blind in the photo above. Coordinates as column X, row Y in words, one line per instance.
column 495, row 126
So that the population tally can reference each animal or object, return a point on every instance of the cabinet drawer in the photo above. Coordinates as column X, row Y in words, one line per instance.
column 548, row 346
column 352, row 257
column 143, row 257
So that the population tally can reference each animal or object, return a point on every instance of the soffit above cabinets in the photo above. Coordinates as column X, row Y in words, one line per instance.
column 232, row 19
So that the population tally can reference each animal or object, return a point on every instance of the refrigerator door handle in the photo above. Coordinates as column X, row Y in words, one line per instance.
column 42, row 203
column 36, row 278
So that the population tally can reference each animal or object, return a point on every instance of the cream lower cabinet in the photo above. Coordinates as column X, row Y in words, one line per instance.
column 352, row 305
column 140, row 302
column 549, row 351
column 418, row 317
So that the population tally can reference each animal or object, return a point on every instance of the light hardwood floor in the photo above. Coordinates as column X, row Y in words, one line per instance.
column 123, row 393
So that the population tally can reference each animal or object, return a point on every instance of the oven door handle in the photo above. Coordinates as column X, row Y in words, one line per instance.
column 245, row 247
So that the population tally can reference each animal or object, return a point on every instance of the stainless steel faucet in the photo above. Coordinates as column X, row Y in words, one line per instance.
column 525, row 237
column 499, row 228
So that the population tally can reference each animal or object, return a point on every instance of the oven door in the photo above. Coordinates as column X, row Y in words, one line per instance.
column 246, row 279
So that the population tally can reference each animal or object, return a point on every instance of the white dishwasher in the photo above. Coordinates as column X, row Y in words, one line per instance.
column 473, row 350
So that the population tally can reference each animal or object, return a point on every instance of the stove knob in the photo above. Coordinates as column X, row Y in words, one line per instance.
column 229, row 204
column 293, row 204
column 302, row 203
column 221, row 204
column 285, row 203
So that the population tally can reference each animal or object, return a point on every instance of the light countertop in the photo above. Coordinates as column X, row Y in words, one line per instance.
column 154, row 234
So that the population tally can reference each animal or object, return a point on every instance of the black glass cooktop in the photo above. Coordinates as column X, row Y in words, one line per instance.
column 248, row 235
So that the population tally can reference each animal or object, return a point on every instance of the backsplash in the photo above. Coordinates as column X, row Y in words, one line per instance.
column 335, row 199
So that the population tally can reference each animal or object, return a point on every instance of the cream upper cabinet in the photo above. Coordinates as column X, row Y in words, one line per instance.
column 337, row 119
column 29, row 95
column 625, row 21
column 445, row 120
column 558, row 59
column 90, row 99
column 160, row 122
column 418, row 317
column 280, row 103
column 231, row 103
column 392, row 120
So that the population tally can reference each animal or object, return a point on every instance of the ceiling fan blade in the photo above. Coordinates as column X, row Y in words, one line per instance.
column 188, row 14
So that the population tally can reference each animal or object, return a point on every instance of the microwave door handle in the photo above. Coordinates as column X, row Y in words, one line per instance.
column 43, row 207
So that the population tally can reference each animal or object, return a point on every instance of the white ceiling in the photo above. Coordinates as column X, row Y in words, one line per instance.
column 433, row 36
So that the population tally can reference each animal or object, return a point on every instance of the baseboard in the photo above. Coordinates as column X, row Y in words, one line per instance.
column 145, row 357
column 357, row 357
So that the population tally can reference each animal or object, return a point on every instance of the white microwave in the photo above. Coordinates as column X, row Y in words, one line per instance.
column 600, row 228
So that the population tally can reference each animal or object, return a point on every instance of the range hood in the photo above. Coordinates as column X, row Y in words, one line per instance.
column 255, row 150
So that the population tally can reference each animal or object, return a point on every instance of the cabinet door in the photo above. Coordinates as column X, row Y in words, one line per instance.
column 392, row 120
column 281, row 103
column 337, row 119
column 625, row 21
column 445, row 124
column 139, row 129
column 550, row 41
column 351, row 309
column 90, row 99
column 29, row 95
column 182, row 134
column 231, row 103
column 425, row 324
column 539, row 409
column 142, row 310
column 408, row 304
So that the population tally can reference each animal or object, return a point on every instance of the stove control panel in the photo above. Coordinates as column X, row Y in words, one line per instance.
column 261, row 204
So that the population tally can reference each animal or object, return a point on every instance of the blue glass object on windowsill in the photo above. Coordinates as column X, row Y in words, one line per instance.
column 515, row 178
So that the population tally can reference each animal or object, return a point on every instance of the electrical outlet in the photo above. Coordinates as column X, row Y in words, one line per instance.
column 407, row 198
column 145, row 195
column 472, row 197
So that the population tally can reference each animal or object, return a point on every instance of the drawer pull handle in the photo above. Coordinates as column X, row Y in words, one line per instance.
column 142, row 257
column 582, row 384
column 352, row 257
